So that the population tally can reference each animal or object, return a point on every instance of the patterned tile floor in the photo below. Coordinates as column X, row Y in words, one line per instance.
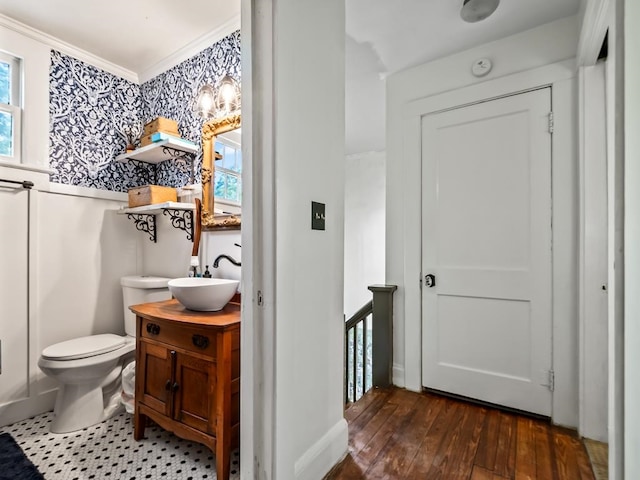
column 108, row 451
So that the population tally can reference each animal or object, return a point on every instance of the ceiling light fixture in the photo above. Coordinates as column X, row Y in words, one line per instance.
column 219, row 102
column 228, row 97
column 205, row 104
column 476, row 10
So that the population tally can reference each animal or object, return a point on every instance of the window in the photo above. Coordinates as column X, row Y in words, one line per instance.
column 228, row 171
column 9, row 108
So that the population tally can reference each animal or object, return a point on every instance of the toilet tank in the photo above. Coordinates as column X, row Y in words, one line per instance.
column 141, row 289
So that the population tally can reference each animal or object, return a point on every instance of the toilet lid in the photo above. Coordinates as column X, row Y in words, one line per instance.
column 84, row 347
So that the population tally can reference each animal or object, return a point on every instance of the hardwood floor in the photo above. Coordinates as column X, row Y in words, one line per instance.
column 396, row 434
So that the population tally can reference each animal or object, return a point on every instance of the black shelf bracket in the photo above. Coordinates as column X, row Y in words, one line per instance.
column 179, row 156
column 145, row 223
column 182, row 219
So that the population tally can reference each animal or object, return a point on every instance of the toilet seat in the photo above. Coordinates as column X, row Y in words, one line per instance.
column 84, row 347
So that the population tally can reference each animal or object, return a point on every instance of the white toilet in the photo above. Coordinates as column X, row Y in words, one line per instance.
column 88, row 368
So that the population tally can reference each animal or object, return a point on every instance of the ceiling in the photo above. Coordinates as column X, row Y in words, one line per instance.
column 383, row 37
column 134, row 34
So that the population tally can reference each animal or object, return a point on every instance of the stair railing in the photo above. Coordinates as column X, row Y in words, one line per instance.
column 369, row 344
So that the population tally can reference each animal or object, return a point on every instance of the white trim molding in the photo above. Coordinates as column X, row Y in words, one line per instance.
column 67, row 48
column 593, row 30
column 76, row 191
column 397, row 376
column 326, row 452
column 191, row 49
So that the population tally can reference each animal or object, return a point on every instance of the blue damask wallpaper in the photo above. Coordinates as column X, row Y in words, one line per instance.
column 171, row 95
column 90, row 111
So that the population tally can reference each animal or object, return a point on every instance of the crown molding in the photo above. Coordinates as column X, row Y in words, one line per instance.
column 190, row 49
column 67, row 48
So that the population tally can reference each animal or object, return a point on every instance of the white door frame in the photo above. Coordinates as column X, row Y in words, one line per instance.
column 561, row 78
column 593, row 262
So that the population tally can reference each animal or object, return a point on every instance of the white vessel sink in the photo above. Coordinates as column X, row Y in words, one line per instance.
column 203, row 294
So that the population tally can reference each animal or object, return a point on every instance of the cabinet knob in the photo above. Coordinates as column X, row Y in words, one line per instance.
column 153, row 329
column 200, row 341
column 175, row 387
column 167, row 386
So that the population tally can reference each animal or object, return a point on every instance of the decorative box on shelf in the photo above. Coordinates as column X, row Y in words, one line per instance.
column 151, row 194
column 161, row 124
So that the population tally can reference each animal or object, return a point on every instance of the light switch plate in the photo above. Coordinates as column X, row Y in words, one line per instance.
column 317, row 216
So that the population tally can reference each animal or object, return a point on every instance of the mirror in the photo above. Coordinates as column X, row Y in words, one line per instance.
column 215, row 218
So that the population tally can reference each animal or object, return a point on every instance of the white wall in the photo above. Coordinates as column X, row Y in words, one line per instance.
column 631, row 238
column 310, row 433
column 217, row 243
column 364, row 227
column 78, row 250
column 514, row 55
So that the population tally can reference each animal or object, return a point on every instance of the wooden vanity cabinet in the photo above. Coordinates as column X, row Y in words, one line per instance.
column 188, row 375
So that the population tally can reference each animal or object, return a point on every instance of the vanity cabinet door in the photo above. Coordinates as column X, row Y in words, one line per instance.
column 195, row 395
column 154, row 373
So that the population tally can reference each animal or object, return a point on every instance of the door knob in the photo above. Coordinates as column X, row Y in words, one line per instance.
column 430, row 280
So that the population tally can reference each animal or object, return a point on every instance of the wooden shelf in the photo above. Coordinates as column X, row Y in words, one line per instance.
column 157, row 208
column 159, row 152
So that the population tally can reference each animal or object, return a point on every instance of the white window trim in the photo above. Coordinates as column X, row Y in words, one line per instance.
column 235, row 145
column 14, row 108
column 16, row 132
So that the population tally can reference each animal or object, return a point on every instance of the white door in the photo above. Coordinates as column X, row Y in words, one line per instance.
column 486, row 238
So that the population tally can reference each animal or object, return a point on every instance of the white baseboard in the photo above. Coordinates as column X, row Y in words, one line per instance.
column 316, row 462
column 27, row 408
column 398, row 376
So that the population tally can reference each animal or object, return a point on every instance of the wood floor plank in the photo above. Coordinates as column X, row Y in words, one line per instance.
column 364, row 415
column 545, row 465
column 506, row 448
column 421, row 463
column 355, row 409
column 403, row 435
column 456, row 460
column 464, row 461
column 405, row 441
column 525, row 450
column 584, row 464
column 480, row 473
column 566, row 460
column 369, row 454
column 488, row 444
column 358, row 439
column 571, row 457
column 348, row 468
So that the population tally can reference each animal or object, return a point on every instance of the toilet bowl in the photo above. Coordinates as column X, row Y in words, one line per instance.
column 88, row 368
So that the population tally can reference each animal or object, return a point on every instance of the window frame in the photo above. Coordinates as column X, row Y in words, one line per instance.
column 14, row 107
column 236, row 146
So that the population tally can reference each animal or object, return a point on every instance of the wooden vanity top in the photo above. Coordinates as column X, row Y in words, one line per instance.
column 173, row 310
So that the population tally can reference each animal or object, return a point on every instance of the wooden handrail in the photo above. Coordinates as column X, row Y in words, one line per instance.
column 360, row 315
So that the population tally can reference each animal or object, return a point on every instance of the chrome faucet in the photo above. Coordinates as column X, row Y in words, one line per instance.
column 216, row 262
